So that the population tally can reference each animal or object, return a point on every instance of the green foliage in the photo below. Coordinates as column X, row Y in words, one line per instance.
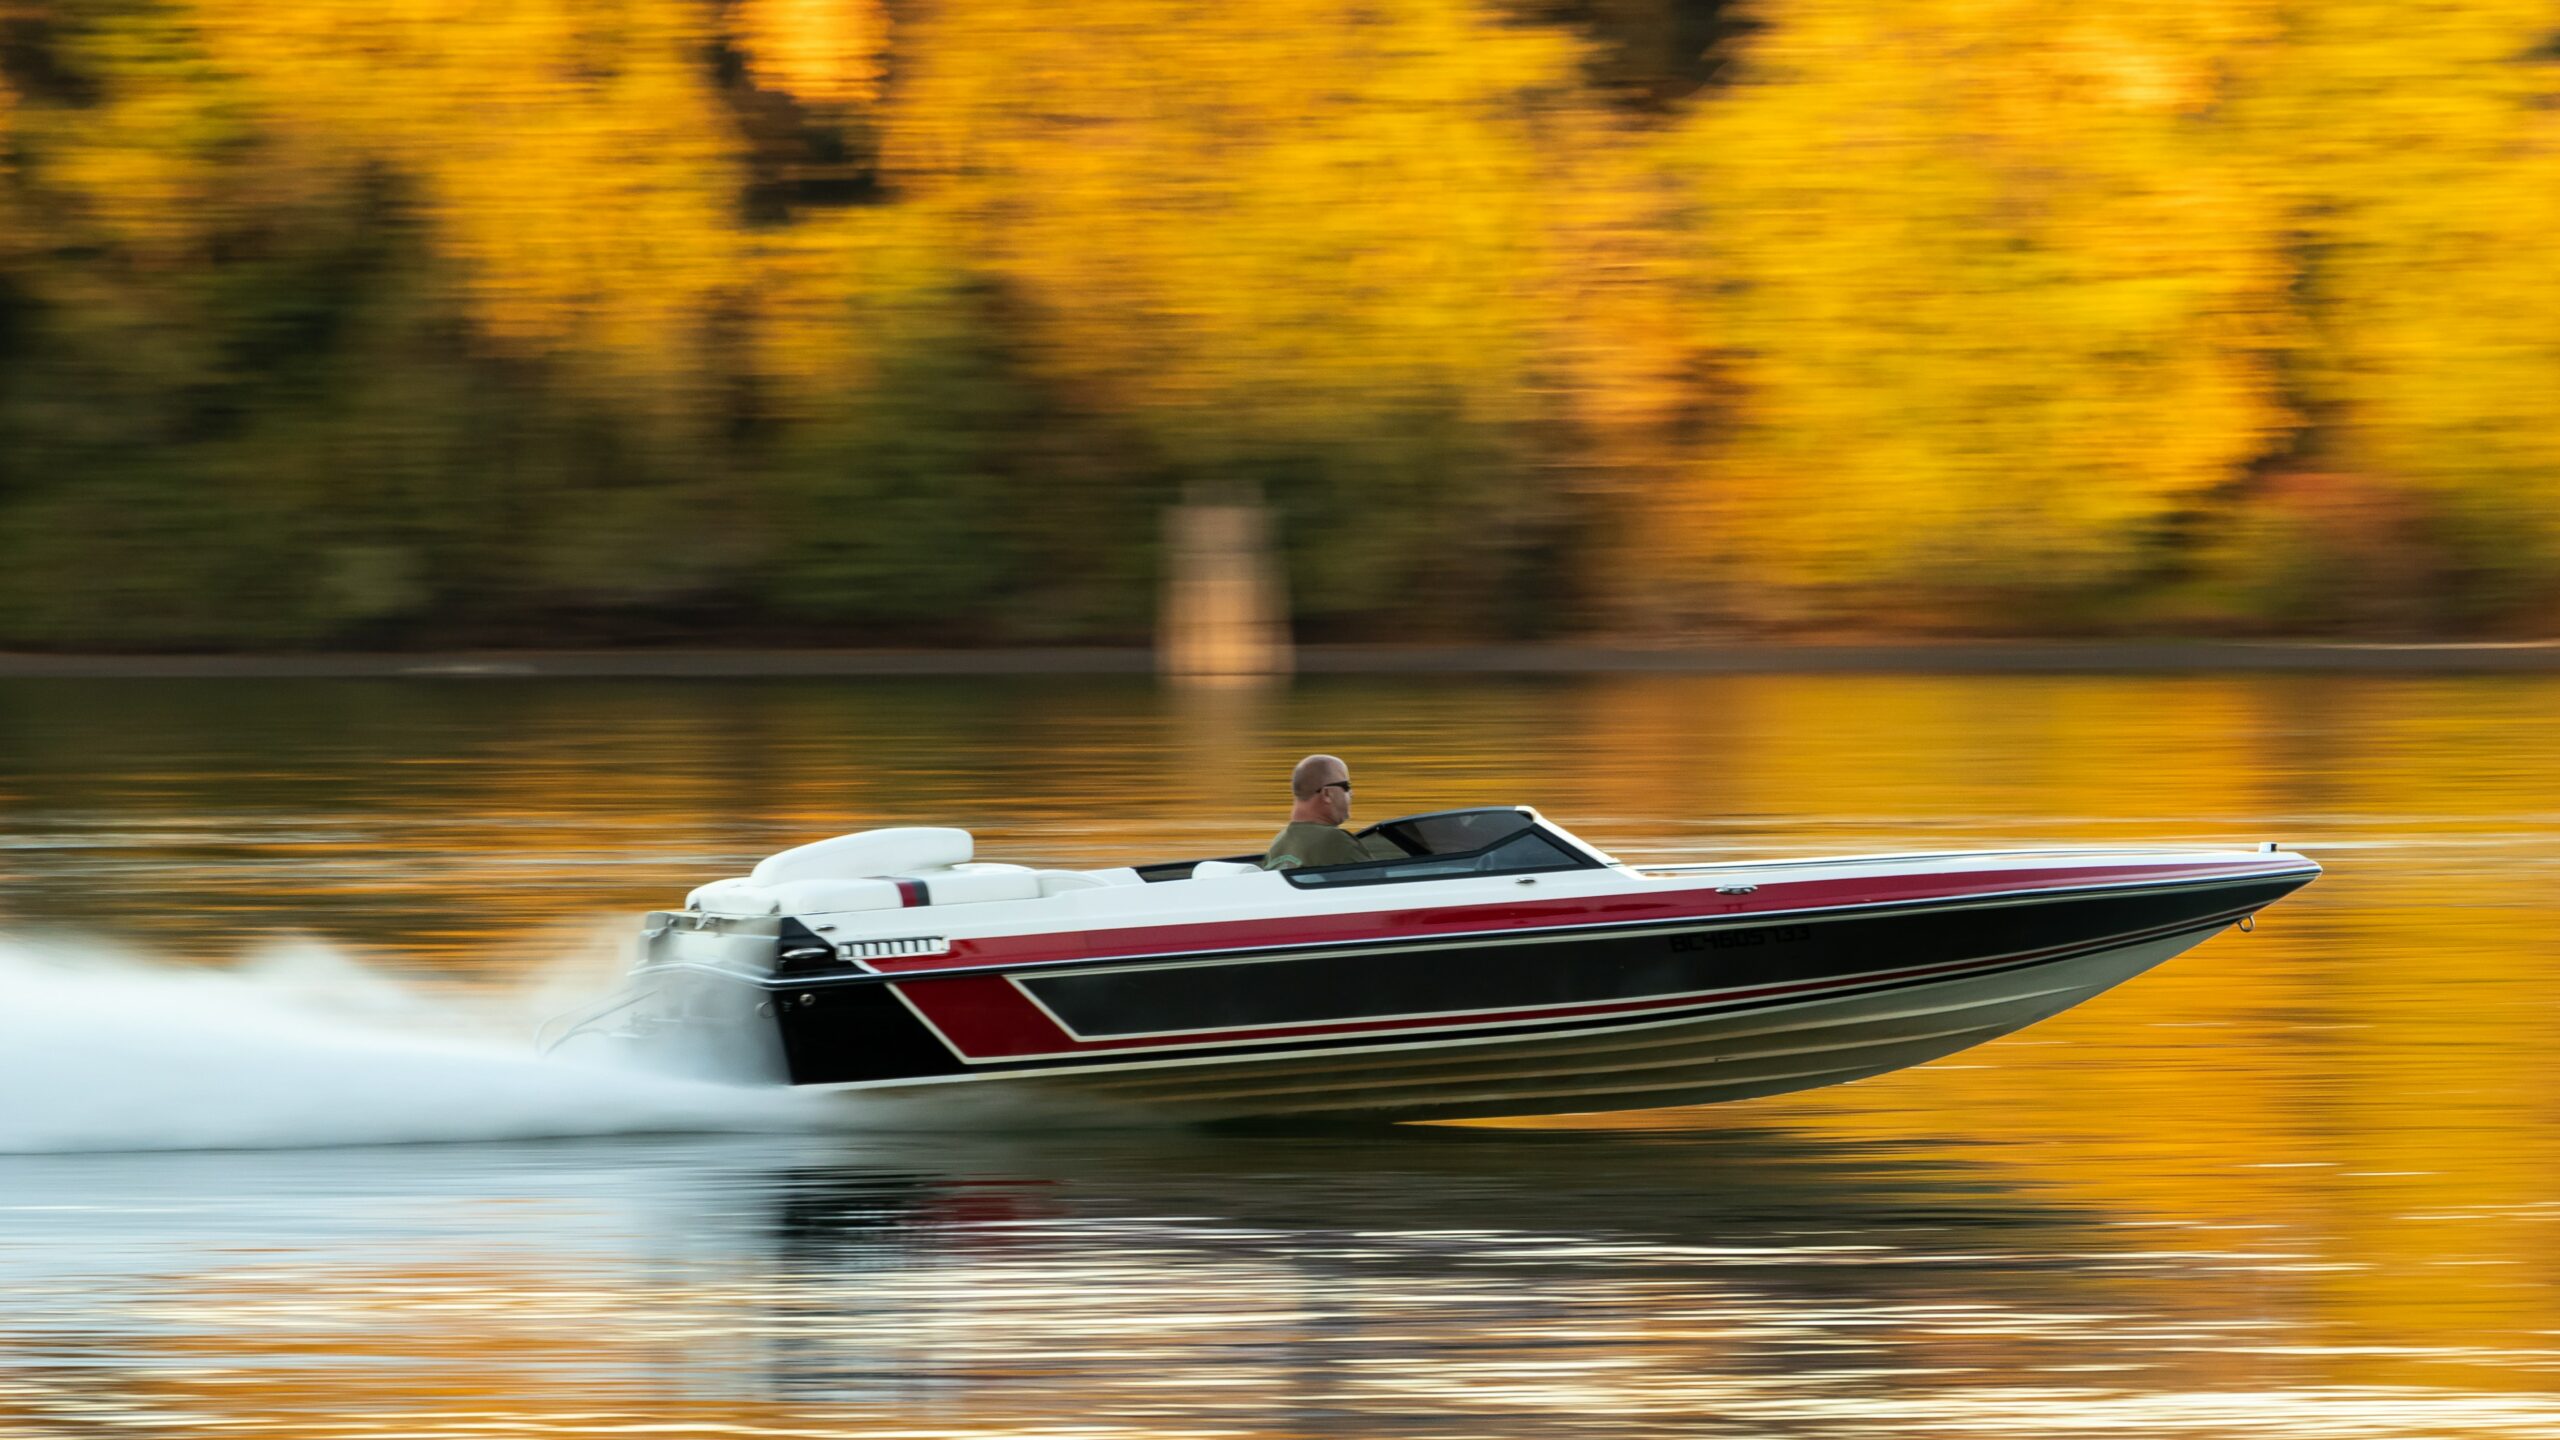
column 883, row 521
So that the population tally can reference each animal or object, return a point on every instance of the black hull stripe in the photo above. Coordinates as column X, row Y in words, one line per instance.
column 1388, row 1039
column 1957, row 968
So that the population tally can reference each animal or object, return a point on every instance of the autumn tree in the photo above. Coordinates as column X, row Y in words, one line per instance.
column 1998, row 301
column 1310, row 244
column 2417, row 152
column 423, row 321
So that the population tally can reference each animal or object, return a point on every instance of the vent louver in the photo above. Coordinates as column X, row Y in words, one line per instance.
column 882, row 949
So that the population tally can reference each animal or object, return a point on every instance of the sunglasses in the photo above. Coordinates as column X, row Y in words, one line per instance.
column 1330, row 784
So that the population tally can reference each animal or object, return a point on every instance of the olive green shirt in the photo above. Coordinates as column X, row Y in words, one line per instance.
column 1304, row 842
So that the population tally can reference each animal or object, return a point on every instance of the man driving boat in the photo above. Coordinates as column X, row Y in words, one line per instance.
column 1320, row 796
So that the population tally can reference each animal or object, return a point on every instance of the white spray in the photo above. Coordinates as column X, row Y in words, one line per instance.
column 301, row 1046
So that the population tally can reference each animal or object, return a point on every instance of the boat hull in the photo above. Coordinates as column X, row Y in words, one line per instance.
column 1698, row 1060
column 1538, row 1020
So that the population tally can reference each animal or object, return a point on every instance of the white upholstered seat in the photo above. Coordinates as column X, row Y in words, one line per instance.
column 888, row 870
column 901, row 850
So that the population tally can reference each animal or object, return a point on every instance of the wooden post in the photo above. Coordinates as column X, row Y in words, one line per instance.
column 1225, row 612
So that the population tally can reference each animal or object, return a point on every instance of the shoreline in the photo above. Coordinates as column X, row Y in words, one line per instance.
column 1966, row 657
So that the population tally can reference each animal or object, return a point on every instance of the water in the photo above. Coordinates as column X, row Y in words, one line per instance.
column 2294, row 1183
column 297, row 1047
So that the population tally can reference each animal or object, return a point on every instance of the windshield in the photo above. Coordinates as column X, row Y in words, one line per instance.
column 1454, row 842
column 1451, row 832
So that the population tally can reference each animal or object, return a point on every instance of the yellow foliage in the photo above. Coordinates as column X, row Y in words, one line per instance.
column 1250, row 220
column 1924, row 308
column 1994, row 292
column 2421, row 149
column 570, row 160
column 826, row 52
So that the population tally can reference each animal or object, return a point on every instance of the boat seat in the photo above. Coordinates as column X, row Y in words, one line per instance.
column 1210, row 869
column 828, row 897
column 962, row 884
column 899, row 850
column 976, row 884
column 1058, row 882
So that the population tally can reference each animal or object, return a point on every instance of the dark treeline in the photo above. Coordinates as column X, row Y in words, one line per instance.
column 437, row 322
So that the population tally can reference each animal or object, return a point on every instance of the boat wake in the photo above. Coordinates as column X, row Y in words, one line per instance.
column 106, row 1050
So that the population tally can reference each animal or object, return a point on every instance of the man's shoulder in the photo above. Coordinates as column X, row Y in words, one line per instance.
column 1305, row 842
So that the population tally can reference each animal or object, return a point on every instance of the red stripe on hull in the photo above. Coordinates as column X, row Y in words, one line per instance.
column 987, row 1017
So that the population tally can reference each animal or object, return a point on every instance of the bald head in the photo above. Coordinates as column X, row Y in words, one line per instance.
column 1320, row 789
column 1314, row 773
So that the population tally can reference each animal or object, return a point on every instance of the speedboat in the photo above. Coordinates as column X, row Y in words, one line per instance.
column 1488, row 963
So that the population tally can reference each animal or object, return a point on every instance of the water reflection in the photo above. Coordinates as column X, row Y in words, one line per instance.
column 1744, row 1279
column 2296, row 1182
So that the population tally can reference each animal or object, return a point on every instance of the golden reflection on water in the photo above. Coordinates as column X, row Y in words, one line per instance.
column 1747, row 1280
column 2297, row 1182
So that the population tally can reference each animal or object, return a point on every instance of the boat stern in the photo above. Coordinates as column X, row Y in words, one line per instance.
column 696, row 1003
column 752, row 1000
